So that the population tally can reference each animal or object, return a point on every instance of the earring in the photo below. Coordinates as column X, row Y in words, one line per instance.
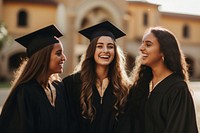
column 163, row 58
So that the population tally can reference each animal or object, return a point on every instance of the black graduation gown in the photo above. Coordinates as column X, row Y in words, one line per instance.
column 28, row 110
column 104, row 122
column 170, row 108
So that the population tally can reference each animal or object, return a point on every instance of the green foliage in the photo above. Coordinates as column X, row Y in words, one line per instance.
column 3, row 34
column 5, row 85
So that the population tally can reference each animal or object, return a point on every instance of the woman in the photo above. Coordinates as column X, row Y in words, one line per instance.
column 36, row 103
column 160, row 92
column 97, row 91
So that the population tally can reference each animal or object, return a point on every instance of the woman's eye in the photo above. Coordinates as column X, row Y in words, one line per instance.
column 99, row 46
column 110, row 47
column 148, row 44
column 58, row 53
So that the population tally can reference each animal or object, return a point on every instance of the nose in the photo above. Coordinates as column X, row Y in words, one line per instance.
column 105, row 49
column 64, row 58
column 141, row 48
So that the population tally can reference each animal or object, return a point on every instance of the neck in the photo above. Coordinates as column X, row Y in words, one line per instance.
column 41, row 82
column 160, row 73
column 102, row 73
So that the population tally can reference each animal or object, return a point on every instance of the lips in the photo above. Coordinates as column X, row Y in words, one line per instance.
column 61, row 64
column 104, row 56
column 143, row 55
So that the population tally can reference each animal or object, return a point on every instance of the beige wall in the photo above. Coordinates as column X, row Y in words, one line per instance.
column 37, row 16
column 1, row 1
column 75, row 11
column 135, row 11
column 176, row 23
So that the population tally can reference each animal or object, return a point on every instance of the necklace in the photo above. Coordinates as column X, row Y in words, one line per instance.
column 151, row 86
column 101, row 87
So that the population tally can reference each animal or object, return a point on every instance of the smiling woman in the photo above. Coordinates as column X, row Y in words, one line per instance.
column 36, row 102
column 160, row 98
column 98, row 90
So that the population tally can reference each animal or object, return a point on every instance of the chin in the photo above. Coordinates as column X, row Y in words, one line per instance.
column 143, row 63
column 59, row 71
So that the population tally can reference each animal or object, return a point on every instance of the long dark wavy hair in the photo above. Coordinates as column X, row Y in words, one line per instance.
column 116, row 74
column 173, row 58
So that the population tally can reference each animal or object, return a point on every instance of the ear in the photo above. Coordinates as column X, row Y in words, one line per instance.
column 162, row 55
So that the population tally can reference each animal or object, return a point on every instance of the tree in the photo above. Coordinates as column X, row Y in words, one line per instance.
column 3, row 34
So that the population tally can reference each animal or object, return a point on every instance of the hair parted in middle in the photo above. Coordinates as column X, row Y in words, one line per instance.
column 116, row 74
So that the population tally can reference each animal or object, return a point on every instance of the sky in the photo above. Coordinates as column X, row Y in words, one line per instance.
column 191, row 7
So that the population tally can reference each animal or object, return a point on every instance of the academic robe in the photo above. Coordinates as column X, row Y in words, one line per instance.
column 169, row 108
column 105, row 117
column 28, row 110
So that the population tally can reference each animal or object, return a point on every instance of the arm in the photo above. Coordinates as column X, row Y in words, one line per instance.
column 16, row 116
column 72, row 89
column 181, row 113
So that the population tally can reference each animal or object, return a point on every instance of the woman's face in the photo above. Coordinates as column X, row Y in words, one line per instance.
column 57, row 59
column 105, row 51
column 150, row 51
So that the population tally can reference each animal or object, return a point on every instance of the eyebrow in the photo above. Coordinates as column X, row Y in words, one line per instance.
column 59, row 50
column 147, row 41
column 103, row 43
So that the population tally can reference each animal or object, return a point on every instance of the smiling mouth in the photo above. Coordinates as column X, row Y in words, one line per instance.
column 104, row 57
column 61, row 64
column 144, row 55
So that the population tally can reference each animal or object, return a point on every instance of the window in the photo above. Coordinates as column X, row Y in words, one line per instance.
column 145, row 19
column 22, row 18
column 186, row 31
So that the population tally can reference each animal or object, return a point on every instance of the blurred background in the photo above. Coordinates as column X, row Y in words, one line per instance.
column 19, row 17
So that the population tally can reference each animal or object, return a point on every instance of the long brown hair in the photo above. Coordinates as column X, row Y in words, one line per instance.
column 36, row 66
column 116, row 74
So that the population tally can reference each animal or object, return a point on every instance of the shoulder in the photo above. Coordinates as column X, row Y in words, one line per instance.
column 72, row 82
column 27, row 87
column 75, row 78
column 57, row 84
column 179, row 88
column 172, row 83
column 178, row 84
column 23, row 92
column 72, row 86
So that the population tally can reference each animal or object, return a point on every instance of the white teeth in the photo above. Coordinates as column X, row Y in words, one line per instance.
column 61, row 64
column 104, row 56
column 144, row 55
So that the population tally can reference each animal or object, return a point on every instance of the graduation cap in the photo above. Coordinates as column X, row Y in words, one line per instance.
column 39, row 39
column 102, row 29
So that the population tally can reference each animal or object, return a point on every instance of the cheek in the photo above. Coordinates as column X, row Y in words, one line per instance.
column 157, row 53
column 96, row 54
column 53, row 61
column 112, row 52
column 52, row 64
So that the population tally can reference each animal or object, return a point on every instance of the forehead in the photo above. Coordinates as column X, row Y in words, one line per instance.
column 105, row 39
column 57, row 46
column 149, row 37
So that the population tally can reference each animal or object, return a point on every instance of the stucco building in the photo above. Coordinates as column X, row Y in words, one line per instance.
column 132, row 16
